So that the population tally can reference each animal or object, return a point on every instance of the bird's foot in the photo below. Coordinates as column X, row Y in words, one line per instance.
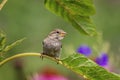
column 58, row 59
column 41, row 56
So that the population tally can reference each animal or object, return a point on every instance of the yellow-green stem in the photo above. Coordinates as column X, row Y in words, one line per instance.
column 25, row 54
column 2, row 4
column 38, row 55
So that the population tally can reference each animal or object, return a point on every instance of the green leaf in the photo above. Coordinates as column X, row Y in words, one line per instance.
column 77, row 12
column 9, row 47
column 2, row 41
column 84, row 25
column 87, row 68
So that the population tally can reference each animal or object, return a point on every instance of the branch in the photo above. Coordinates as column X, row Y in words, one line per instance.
column 2, row 4
column 77, row 63
column 26, row 54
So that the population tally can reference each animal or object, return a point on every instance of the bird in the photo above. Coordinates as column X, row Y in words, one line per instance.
column 52, row 44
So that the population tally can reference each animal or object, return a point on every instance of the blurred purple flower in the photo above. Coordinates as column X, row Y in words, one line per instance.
column 85, row 50
column 102, row 60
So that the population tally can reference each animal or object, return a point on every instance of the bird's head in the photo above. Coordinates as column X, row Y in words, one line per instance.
column 57, row 34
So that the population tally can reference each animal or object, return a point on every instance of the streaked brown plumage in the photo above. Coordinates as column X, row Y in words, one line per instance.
column 52, row 43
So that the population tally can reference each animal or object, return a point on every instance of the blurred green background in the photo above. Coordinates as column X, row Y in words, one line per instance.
column 32, row 20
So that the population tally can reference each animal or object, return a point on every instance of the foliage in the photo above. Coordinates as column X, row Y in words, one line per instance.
column 78, row 64
column 5, row 48
column 77, row 12
column 87, row 68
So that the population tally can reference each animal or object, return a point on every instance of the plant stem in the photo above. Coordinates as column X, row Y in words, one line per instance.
column 2, row 4
column 26, row 54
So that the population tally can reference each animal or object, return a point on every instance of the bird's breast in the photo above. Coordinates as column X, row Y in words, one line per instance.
column 49, row 43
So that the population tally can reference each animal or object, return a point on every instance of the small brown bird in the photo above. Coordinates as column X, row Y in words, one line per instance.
column 52, row 43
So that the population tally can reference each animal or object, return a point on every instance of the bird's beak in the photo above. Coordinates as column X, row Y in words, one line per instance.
column 62, row 34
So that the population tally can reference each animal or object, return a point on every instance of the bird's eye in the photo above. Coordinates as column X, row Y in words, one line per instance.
column 57, row 32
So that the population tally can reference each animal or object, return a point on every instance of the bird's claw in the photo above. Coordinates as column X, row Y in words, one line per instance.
column 41, row 56
column 57, row 60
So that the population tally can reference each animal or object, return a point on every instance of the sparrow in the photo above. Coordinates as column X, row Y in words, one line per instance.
column 52, row 43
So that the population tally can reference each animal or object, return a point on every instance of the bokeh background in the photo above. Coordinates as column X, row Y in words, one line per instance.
column 32, row 20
